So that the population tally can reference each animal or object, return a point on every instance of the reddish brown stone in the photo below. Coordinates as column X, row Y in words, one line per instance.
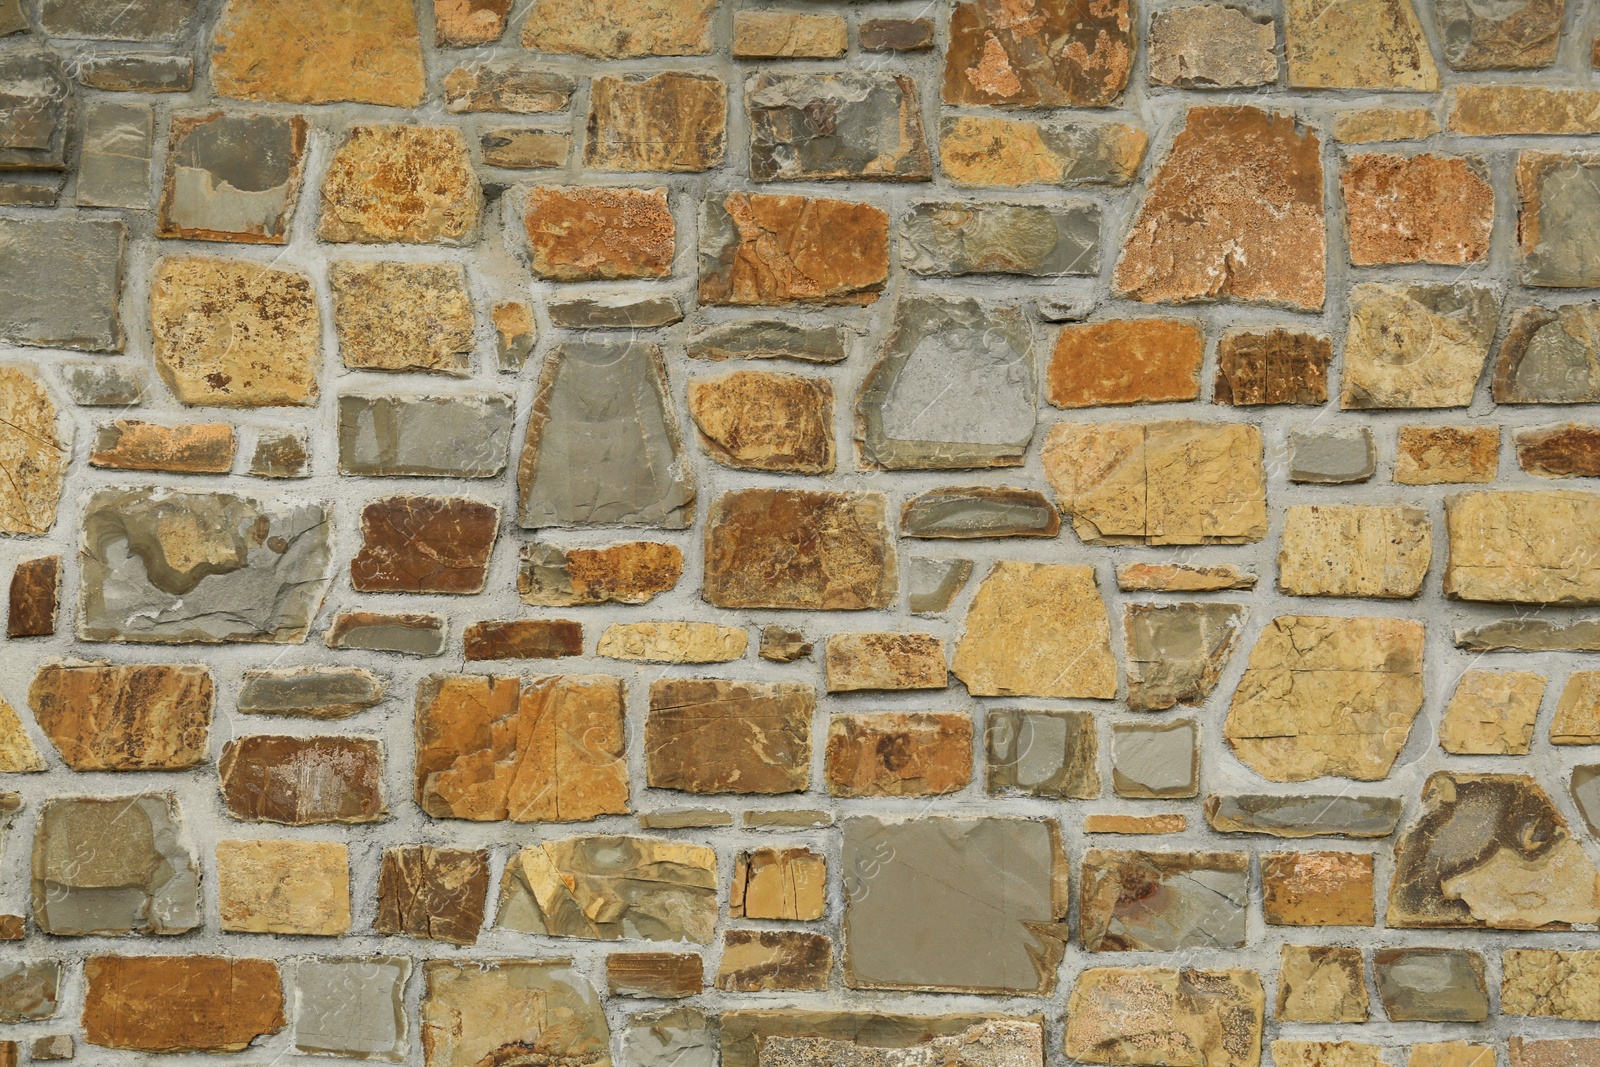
column 300, row 781
column 468, row 23
column 1234, row 213
column 1132, row 361
column 523, row 639
column 1317, row 888
column 757, row 420
column 35, row 594
column 1571, row 450
column 758, row 249
column 100, row 717
column 435, row 893
column 890, row 754
column 756, row 961
column 665, row 975
column 785, row 548
column 10, row 1054
column 630, row 573
column 583, row 235
column 423, row 544
column 710, row 735
column 1416, row 209
column 896, row 35
column 1446, row 455
column 180, row 1003
column 1047, row 53
column 132, row 445
column 1274, row 366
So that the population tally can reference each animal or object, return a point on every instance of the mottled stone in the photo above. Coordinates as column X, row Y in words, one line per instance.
column 424, row 544
column 1489, row 110
column 1276, row 366
column 522, row 639
column 1372, row 125
column 101, row 717
column 1212, row 46
column 1416, row 345
column 180, row 1003
column 39, row 112
column 1416, row 209
column 1559, row 195
column 319, row 51
column 507, row 87
column 1431, row 985
column 1159, row 483
column 1317, row 888
column 1051, row 53
column 911, row 920
column 895, row 35
column 782, row 645
column 779, row 883
column 1354, row 550
column 1176, row 652
column 232, row 177
column 1518, row 36
column 435, row 333
column 680, row 1037
column 979, row 511
column 673, row 642
column 18, row 755
column 433, row 893
column 40, row 258
column 1523, row 870
column 858, row 661
column 460, row 435
column 135, row 72
column 610, row 887
column 932, row 584
column 284, row 887
column 1357, row 44
column 1155, row 760
column 1531, row 635
column 709, row 735
column 597, row 234
column 785, row 548
column 1121, row 1015
column 303, row 781
column 52, row 1047
column 775, row 250
column 755, row 961
column 1446, row 455
column 34, row 597
column 114, row 165
column 1128, row 361
column 1521, row 548
column 407, row 633
column 1557, row 1052
column 893, row 754
column 1491, row 713
column 519, row 148
column 1041, row 753
column 309, row 692
column 1234, row 213
column 501, row 1010
column 656, row 975
column 1163, row 901
column 468, row 23
column 630, row 573
column 1040, row 241
column 674, row 122
column 756, row 420
column 34, row 452
column 981, row 151
column 1332, row 457
column 614, row 311
column 29, row 989
column 515, row 333
column 1548, row 984
column 1570, row 450
column 1037, row 629
column 352, row 1006
column 838, row 125
column 281, row 454
column 769, row 339
column 406, row 184
column 1321, row 984
column 135, row 445
column 1550, row 356
column 1304, row 815
column 620, row 29
column 1577, row 717
column 788, row 35
column 114, row 866
column 104, row 385
column 1326, row 1054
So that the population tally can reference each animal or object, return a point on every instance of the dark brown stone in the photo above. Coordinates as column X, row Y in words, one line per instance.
column 1276, row 366
column 421, row 544
column 895, row 35
column 180, row 1003
column 35, row 592
column 892, row 754
column 664, row 975
column 756, row 961
column 709, row 735
column 434, row 893
column 1051, row 53
column 786, row 548
column 523, row 639
column 1568, row 451
column 301, row 781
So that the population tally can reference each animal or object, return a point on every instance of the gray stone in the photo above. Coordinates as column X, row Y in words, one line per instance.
column 103, row 384
column 1550, row 356
column 352, row 1007
column 680, row 1037
column 407, row 634
column 281, row 454
column 29, row 989
column 31, row 189
column 1531, row 635
column 1585, row 787
column 956, row 387
column 1176, row 652
column 114, row 865
column 1562, row 195
column 114, row 170
column 1333, row 815
column 36, row 110
column 232, row 177
column 1155, row 760
column 463, row 435
column 1522, row 35
column 1332, row 457
column 1163, row 901
column 769, row 339
column 1212, row 46
column 42, row 258
column 119, row 20
column 309, row 692
column 507, row 86
column 1065, row 308
column 524, row 149
column 619, row 311
column 51, row 1047
column 1036, row 240
column 952, row 905
column 964, row 513
column 603, row 447
column 135, row 72
column 12, row 20
column 1431, row 985
column 931, row 584
column 1042, row 753
column 845, row 124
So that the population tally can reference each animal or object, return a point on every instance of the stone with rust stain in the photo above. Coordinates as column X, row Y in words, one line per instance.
column 599, row 234
column 104, row 717
column 1176, row 652
column 515, row 333
column 507, row 87
column 857, row 661
column 1362, row 550
column 1317, row 888
column 787, row 548
column 630, row 573
column 788, row 35
column 284, row 887
column 1212, row 46
column 710, row 735
column 1491, row 713
column 1550, row 356
column 303, row 781
column 34, row 597
column 1050, row 53
column 546, row 748
column 675, row 122
column 673, row 642
column 424, row 544
column 1522, row 547
column 1570, row 450
column 1520, row 36
column 180, row 1003
column 1577, row 717
column 232, row 177
column 1119, row 1015
column 1140, row 825
column 1037, row 629
column 235, row 333
column 434, row 334
column 758, row 420
column 1041, row 753
column 1416, row 345
column 475, row 1012
column 400, row 184
column 1163, row 901
column 1126, row 361
column 135, row 445
column 1446, row 455
column 757, row 249
column 779, row 883
column 1494, row 110
column 1376, row 124
column 433, row 893
column 763, row 961
column 1274, row 366
column 896, row 754
column 837, row 125
column 18, row 755
column 1357, row 44
column 319, row 52
column 1556, row 216
column 468, row 23
column 1432, row 985
column 978, row 150
column 620, row 29
column 655, row 975
column 1321, row 984
column 1549, row 984
column 1327, row 695
column 1416, row 209
column 522, row 639
column 1234, row 213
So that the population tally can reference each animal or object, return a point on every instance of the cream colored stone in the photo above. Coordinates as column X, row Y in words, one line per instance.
column 1321, row 984
column 1492, row 713
column 1370, row 125
column 673, row 642
column 1326, row 1054
column 1037, row 629
column 1552, row 984
column 33, row 456
column 284, row 887
column 1354, row 550
column 1416, row 345
column 1577, row 717
column 1523, row 547
column 786, row 34
column 1450, row 1054
column 620, row 29
column 18, row 755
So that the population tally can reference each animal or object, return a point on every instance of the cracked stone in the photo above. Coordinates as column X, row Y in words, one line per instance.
column 1212, row 46
column 1035, row 240
column 841, row 125
column 1357, row 44
column 620, row 29
column 1041, row 753
column 232, row 177
column 1037, row 629
column 437, row 202
column 39, row 111
column 1181, row 578
column 1550, row 356
column 979, row 511
column 1052, row 53
column 656, row 975
column 506, row 87
column 769, row 339
column 1552, row 985
column 1431, row 985
column 352, row 1006
column 788, row 35
column 1577, row 717
column 424, row 544
column 433, row 893
column 1492, row 713
column 1416, row 209
column 180, row 1003
column 756, row 420
column 1317, row 888
column 859, row 661
column 319, row 52
column 1138, row 1014
column 135, row 445
column 1332, row 457
column 309, row 692
column 787, row 548
column 673, row 642
column 895, row 754
column 755, row 961
column 435, row 333
column 1417, row 345
column 1446, row 455
column 757, row 249
column 710, row 735
column 303, row 781
column 495, row 1010
column 34, row 453
column 675, row 122
column 40, row 258
column 1521, row 548
column 1176, row 652
column 1354, row 550
column 1559, row 196
column 522, row 639
column 1276, row 366
column 634, row 572
column 1163, row 901
column 34, row 597
column 976, row 150
column 284, row 887
column 782, row 645
column 585, row 235
column 1304, row 815
column 406, row 634
column 461, row 435
column 1155, row 760
column 679, row 1038
column 1519, row 37
column 779, row 883
column 1130, row 361
column 104, row 717
column 1321, row 984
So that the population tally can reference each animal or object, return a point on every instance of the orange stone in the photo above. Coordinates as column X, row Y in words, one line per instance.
column 104, row 717
column 1416, row 209
column 585, row 235
column 319, row 52
column 629, row 573
column 131, row 445
column 467, row 23
column 1446, row 455
column 1135, row 824
column 712, row 735
column 892, row 754
column 1317, row 888
column 180, row 1003
column 789, row 884
column 1130, row 361
column 411, row 184
column 759, row 249
column 1568, row 450
column 758, row 420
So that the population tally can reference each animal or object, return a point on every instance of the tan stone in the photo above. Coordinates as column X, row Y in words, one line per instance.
column 435, row 333
column 585, row 235
column 892, row 754
column 1128, row 361
column 406, row 184
column 1416, row 345
column 467, row 23
column 104, row 717
column 132, row 445
column 785, row 548
column 1354, row 550
column 779, row 883
column 1326, row 1054
column 1152, row 1015
column 319, row 52
column 757, row 249
column 758, row 420
column 1492, row 110
column 620, row 29
column 1522, row 547
column 1181, row 578
column 856, row 661
column 1370, row 125
column 788, row 34
column 18, row 755
column 1416, row 209
column 664, row 975
column 1454, row 1054
column 756, row 961
column 1357, row 44
column 1446, row 455
column 673, row 642
column 1317, row 888
column 1321, row 984
column 1327, row 696
column 1577, row 717
column 1048, row 54
column 33, row 454
column 1159, row 483
column 1037, row 629
column 982, row 151
column 1492, row 713
column 664, row 122
column 1557, row 1052
column 1551, row 984
column 1135, row 824
column 709, row 735
column 180, row 1003
column 629, row 573
column 284, row 887
column 477, row 1012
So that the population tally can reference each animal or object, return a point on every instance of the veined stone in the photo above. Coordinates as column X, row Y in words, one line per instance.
column 1155, row 761
column 1120, row 1015
column 29, row 990
column 1416, row 209
column 1570, row 450
column 630, row 573
column 352, row 1006
column 1550, row 356
column 657, row 975
column 1559, row 195
column 1176, row 652
column 1492, row 713
column 1132, row 361
column 775, row 250
column 1547, row 984
column 836, row 125
column 1037, row 629
column 891, row 754
column 1491, row 110
column 460, row 435
column 477, row 1011
column 787, row 35
column 1357, row 44
column 1354, row 550
column 281, row 454
column 1431, row 985
column 309, row 692
column 785, row 548
column 1446, row 455
column 1417, row 345
column 1317, row 888
column 1212, row 46
column 779, row 883
column 1163, row 901
column 748, row 1033
column 1050, row 54
column 524, row 149
column 610, row 887
column 507, row 87
column 439, row 203
column 1304, row 815
column 424, row 544
column 581, row 235
column 857, row 661
column 180, row 1003
column 40, row 258
column 284, row 887
column 1321, row 984
column 1521, row 548
column 232, row 177
column 980, row 151
column 319, row 52
column 435, row 333
column 136, row 72
column 620, row 30
column 303, row 781
column 755, row 961
column 100, row 717
column 756, row 420
column 673, row 642
column 979, row 511
column 675, row 121
column 433, row 893
column 1041, row 753
column 34, row 452
column 1522, row 37
column 709, row 735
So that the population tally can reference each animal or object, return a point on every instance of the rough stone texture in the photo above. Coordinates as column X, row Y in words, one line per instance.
column 1417, row 346
column 302, row 781
column 580, row 235
column 1491, row 713
column 1354, row 550
column 1549, row 356
column 33, row 453
column 1317, row 888
column 1521, row 37
column 405, row 184
column 29, row 990
column 464, row 435
column 284, row 887
column 1278, row 366
column 1416, row 209
column 34, row 597
column 955, row 239
column 522, row 639
column 1176, row 652
column 1332, row 457
column 1570, row 450
column 1577, row 717
column 714, row 736
column 1321, row 984
column 1037, row 629
column 978, row 150
column 433, row 893
column 673, row 642
column 969, row 512
column 180, row 1003
column 1519, row 547
column 1137, row 361
column 663, row 975
column 1485, row 110
column 512, row 87
column 1372, row 125
column 416, row 544
column 854, row 125
column 1559, row 1052
column 788, row 35
column 1446, row 455
column 857, row 661
column 124, row 718
column 18, row 755
column 891, row 754
column 1181, row 578
column 1211, row 46
column 1163, row 901
column 319, row 51
column 1120, row 1015
column 1357, row 44
column 786, row 548
column 492, row 1009
column 756, row 961
column 757, row 249
column 232, row 177
column 630, row 573
column 612, row 30
column 1048, row 54
column 1550, row 984
column 755, row 420
column 769, row 339
column 663, row 122
column 435, row 334
column 132, row 445
column 465, row 23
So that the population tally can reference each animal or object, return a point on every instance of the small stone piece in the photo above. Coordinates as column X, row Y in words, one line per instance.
column 135, row 72
column 1571, row 450
column 1552, row 985
column 461, row 435
column 1550, row 356
column 1140, row 825
column 1304, row 815
column 309, row 692
column 1042, row 753
column 180, row 1003
column 673, row 642
column 1492, row 713
column 439, row 202
column 979, row 151
column 435, row 334
column 1056, row 54
column 779, row 883
column 35, row 595
column 979, row 511
column 1357, row 44
column 17, row 756
column 630, row 573
column 518, row 148
column 1181, row 578
column 1531, row 635
column 769, row 339
column 319, row 52
column 1416, row 209
column 29, row 990
column 434, row 893
column 1155, row 760
column 893, row 754
column 1520, row 38
column 788, row 35
column 1520, row 548
column 494, row 1010
column 708, row 735
column 40, row 258
column 582, row 235
column 622, row 30
column 1163, row 901
column 154, row 717
column 1317, row 888
column 1034, row 240
column 406, row 634
column 1453, row 1054
column 836, row 126
column 424, row 544
column 1577, row 717
column 515, row 334
column 895, row 35
column 782, row 645
column 1557, row 205
column 788, row 819
column 860, row 661
column 1120, row 1015
column 1332, row 457
column 656, row 975
column 134, row 445
column 1446, row 455
column 232, row 177
column 281, row 454
column 785, row 548
column 1433, row 360
column 1132, row 361
column 614, row 311
column 352, row 1006
column 303, row 781
column 284, row 887
column 1277, row 366
column 522, row 639
column 1037, row 629
column 756, row 961
column 1431, row 985
column 1212, row 46
column 468, row 23
column 932, row 584
column 104, row 385
column 1176, row 652
column 1371, row 125
column 1321, row 984
column 606, row 888
column 507, row 87
column 755, row 420
column 675, row 122
column 1354, row 550
column 114, row 166
column 776, row 250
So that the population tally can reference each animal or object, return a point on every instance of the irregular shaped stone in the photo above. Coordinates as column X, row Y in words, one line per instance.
column 309, row 692
column 17, row 756
column 932, row 584
column 101, row 717
column 1444, row 455
column 1304, row 815
column 1041, row 753
column 844, row 125
column 1416, row 209
column 708, row 735
column 281, row 454
column 180, row 1003
column 608, row 887
column 1552, row 985
column 284, row 887
column 134, row 445
column 108, row 385
column 466, row 23
column 1317, row 888
column 232, row 177
column 675, row 121
column 630, row 573
column 1577, row 717
column 547, row 748
column 135, row 72
column 1562, row 1052
column 1163, row 901
column 352, row 1006
column 433, row 893
column 1159, row 483
column 1050, row 54
column 406, row 633
column 522, row 639
column 788, row 35
column 506, row 86
column 435, row 334
column 114, row 866
column 439, row 201
column 620, row 30
column 980, row 151
column 1035, row 240
column 460, row 435
column 755, row 961
column 515, row 334
column 979, row 511
column 1354, row 550
column 1521, row 548
column 1488, row 110
column 657, row 975
column 1129, row 361
column 114, row 165
column 578, row 235
column 682, row 1037
column 911, row 921
column 1357, row 44
column 1491, row 713
column 1558, row 194
column 1234, row 213
column 424, row 544
column 1212, row 46
column 1416, row 345
column 303, row 781
column 29, row 990
column 673, row 642
column 1181, row 578
column 1037, row 629
column 614, row 311
column 1550, row 356
column 487, row 1011
column 1571, row 450
column 786, row 548
column 893, row 754
column 769, row 339
column 755, row 420
column 1120, row 1015
column 895, row 35
column 1321, row 984
column 1276, row 366
column 34, row 453
column 776, row 250
column 778, row 883
column 1531, row 635
column 1490, row 851
column 1332, row 457
column 1155, row 760
column 859, row 661
column 1431, row 985
column 1176, row 652
column 1521, row 37
column 33, row 597
column 40, row 258
column 40, row 113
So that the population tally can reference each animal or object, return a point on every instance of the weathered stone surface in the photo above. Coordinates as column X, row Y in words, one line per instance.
column 1550, row 356
column 1141, row 825
column 135, row 72
column 40, row 258
column 1523, row 36
column 779, row 883
column 708, row 735
column 785, row 548
column 1326, row 1054
column 34, row 597
column 1490, row 851
column 39, row 113
column 109, row 385
column 284, row 887
column 1416, row 345
column 1332, row 457
column 1321, row 984
column 979, row 511
column 114, row 866
column 836, row 125
column 18, row 755
column 1431, row 985
column 111, row 20
column 114, row 165
column 461, row 435
column 319, row 51
column 1041, row 753
column 29, row 990
column 1037, row 629
column 309, row 692
column 1371, row 125
column 1155, row 760
column 488, row 1011
column 788, row 35
column 1446, row 455
column 1176, row 652
column 674, row 122
column 1154, row 1014
column 433, row 893
column 877, row 1039
column 435, row 333
column 756, row 961
column 1558, row 199
column 34, row 452
column 1000, row 1042
column 524, row 149
column 1549, row 984
column 680, row 1037
column 180, row 1003
column 1357, row 44
column 1492, row 713
column 522, row 639
column 1570, row 450
column 1036, row 240
column 1159, row 483
column 424, row 544
column 630, row 573
column 1416, row 209
column 1212, row 46
column 932, row 584
column 232, row 177
column 756, row 420
column 609, row 887
column 1129, row 361
column 1560, row 1052
column 507, row 86
column 102, row 717
column 579, row 235
column 303, row 781
column 515, row 333
column 657, row 975
column 1521, row 548
column 1276, row 366
column 1488, row 110
column 775, row 250
column 1531, row 635
column 782, row 645
column 1163, row 901
column 893, row 754
column 1577, row 717
column 1234, row 213
column 620, row 30
column 614, row 311
column 352, row 1006
column 405, row 633
column 1304, row 815
column 366, row 201
column 1354, row 550
column 895, row 35
column 281, row 454
column 1049, row 54
column 602, row 446
column 1317, row 888
column 1327, row 696
column 52, row 1047
column 673, row 642
column 1181, row 578
column 466, row 23
column 769, row 339
column 134, row 445
column 858, row 661
column 910, row 918
column 981, row 151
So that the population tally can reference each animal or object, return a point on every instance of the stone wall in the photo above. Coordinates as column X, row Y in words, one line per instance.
column 667, row 532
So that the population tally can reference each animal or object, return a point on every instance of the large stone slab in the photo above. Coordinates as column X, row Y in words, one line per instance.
column 1212, row 46
column 837, row 125
column 787, row 548
column 756, row 420
column 1037, row 629
column 1522, row 547
column 775, row 250
column 460, row 435
column 605, row 888
column 1163, row 901
column 494, row 1010
column 1054, row 53
column 1416, row 209
column 708, row 735
column 1163, row 1015
column 319, row 52
column 41, row 258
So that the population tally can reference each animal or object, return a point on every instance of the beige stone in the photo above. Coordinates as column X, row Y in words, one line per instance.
column 33, row 454
column 1163, row 1015
column 18, row 755
column 1370, row 125
column 435, row 333
column 1037, row 629
column 284, row 887
column 1551, row 984
column 405, row 184
column 978, row 150
column 1181, row 578
column 1497, row 110
column 620, row 29
column 1577, row 717
column 319, row 52
column 1354, row 550
column 855, row 661
column 1416, row 345
column 779, row 883
column 1568, row 1052
column 477, row 1012
column 674, row 121
column 1135, row 824
column 673, row 642
column 1326, row 1054
column 758, row 961
column 1357, row 44
column 788, row 34
column 1453, row 1054
column 1321, row 984
column 1492, row 713
column 1523, row 547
